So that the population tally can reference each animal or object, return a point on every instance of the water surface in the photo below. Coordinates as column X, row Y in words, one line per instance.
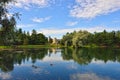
column 60, row 64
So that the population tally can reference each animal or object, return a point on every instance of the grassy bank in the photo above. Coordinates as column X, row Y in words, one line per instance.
column 101, row 46
column 51, row 46
column 5, row 47
column 29, row 46
column 36, row 46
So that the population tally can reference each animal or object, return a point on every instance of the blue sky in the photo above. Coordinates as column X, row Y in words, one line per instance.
column 56, row 17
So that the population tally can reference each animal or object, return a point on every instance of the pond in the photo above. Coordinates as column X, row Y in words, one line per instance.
column 60, row 64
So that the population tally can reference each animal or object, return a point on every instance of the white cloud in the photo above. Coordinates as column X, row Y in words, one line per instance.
column 72, row 23
column 25, row 25
column 40, row 20
column 93, row 8
column 55, row 31
column 28, row 3
column 60, row 32
column 116, row 21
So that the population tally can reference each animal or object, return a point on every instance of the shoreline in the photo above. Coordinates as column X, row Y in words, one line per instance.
column 48, row 46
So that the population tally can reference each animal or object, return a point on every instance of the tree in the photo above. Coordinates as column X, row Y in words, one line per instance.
column 67, row 39
column 26, row 41
column 7, row 24
column 41, row 39
column 19, row 37
column 50, row 40
column 33, row 39
column 80, row 38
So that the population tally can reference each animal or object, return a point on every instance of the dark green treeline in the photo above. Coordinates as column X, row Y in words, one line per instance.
column 24, row 38
column 85, row 38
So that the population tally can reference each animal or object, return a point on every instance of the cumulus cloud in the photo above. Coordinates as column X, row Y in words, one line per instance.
column 72, row 23
column 63, row 31
column 40, row 20
column 55, row 31
column 26, row 4
column 25, row 25
column 93, row 8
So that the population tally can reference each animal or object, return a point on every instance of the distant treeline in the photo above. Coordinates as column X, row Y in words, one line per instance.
column 20, row 37
column 85, row 38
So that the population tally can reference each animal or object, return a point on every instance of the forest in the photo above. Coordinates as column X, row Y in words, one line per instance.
column 85, row 38
column 20, row 37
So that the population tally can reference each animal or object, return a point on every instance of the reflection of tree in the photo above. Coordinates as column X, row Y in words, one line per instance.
column 85, row 56
column 81, row 58
column 6, row 62
column 9, row 58
column 67, row 54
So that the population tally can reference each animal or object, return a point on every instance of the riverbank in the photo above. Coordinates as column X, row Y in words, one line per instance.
column 50, row 46
column 29, row 46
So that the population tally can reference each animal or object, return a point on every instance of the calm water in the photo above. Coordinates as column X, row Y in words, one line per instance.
column 60, row 64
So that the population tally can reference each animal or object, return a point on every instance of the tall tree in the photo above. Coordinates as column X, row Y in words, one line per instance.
column 33, row 39
column 7, row 23
column 80, row 38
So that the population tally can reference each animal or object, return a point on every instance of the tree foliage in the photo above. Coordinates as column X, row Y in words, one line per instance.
column 25, row 38
column 83, row 38
column 7, row 23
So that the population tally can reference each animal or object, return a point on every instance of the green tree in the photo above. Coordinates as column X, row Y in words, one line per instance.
column 80, row 38
column 67, row 39
column 41, row 39
column 19, row 37
column 7, row 23
column 33, row 39
column 50, row 40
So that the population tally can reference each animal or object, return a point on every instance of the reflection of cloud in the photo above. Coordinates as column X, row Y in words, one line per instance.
column 72, row 66
column 5, row 76
column 88, row 76
column 39, row 70
column 99, row 62
column 53, row 58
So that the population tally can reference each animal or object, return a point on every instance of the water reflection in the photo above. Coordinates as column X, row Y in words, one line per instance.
column 9, row 58
column 50, row 64
column 5, row 76
column 86, row 56
column 88, row 76
column 81, row 56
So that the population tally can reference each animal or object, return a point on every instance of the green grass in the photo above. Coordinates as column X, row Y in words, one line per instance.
column 91, row 46
column 5, row 47
column 45, row 46
column 33, row 46
column 29, row 46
